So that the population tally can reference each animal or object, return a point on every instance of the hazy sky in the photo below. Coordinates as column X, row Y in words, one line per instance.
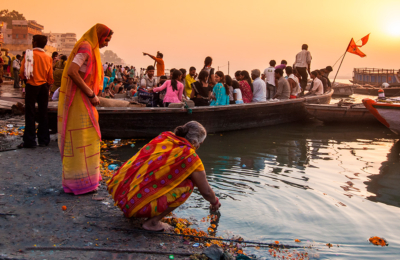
column 247, row 33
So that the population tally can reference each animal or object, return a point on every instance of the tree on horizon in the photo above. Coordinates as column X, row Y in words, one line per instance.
column 111, row 57
column 7, row 17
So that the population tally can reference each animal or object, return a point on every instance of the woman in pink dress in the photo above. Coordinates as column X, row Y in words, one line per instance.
column 174, row 89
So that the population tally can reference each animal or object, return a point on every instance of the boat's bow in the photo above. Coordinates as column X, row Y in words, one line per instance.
column 387, row 113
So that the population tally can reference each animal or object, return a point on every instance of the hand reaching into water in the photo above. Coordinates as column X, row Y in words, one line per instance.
column 215, row 207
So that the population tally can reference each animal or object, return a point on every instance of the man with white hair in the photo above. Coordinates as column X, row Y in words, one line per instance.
column 259, row 87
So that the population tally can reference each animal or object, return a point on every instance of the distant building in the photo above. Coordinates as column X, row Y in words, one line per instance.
column 19, row 38
column 63, row 42
column 2, row 25
column 23, row 31
column 68, row 41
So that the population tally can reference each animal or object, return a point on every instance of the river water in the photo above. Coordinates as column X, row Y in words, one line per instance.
column 318, row 183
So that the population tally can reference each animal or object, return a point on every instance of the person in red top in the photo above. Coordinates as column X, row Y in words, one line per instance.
column 160, row 63
column 38, row 78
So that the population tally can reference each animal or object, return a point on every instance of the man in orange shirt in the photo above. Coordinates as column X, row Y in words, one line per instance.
column 38, row 78
column 160, row 63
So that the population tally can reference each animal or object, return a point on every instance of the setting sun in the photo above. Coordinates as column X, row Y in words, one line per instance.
column 393, row 27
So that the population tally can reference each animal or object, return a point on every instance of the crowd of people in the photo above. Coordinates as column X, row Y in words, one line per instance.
column 213, row 88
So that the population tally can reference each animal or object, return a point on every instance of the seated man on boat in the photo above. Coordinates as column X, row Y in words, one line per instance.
column 316, row 87
column 323, row 80
column 294, row 82
column 328, row 82
column 283, row 89
column 162, row 176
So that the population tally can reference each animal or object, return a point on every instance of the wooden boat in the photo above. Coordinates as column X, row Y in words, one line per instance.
column 386, row 112
column 373, row 91
column 376, row 77
column 342, row 90
column 369, row 80
column 346, row 113
column 132, row 122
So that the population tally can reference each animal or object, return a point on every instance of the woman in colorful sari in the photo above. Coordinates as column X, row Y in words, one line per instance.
column 220, row 93
column 57, row 74
column 246, row 87
column 78, row 128
column 114, row 72
column 162, row 176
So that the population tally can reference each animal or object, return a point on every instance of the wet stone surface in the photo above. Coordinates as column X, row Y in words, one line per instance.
column 31, row 200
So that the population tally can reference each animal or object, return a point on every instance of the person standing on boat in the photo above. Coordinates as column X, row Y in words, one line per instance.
column 317, row 87
column 259, row 87
column 293, row 82
column 160, row 63
column 302, row 65
column 270, row 79
column 78, row 120
column 283, row 90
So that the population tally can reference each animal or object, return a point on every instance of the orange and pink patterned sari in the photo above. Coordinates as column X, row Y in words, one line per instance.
column 156, row 177
column 78, row 128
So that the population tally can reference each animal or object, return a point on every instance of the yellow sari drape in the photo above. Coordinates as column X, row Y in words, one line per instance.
column 78, row 129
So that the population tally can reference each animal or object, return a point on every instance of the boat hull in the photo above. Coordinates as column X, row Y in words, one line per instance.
column 342, row 91
column 345, row 114
column 129, row 122
column 387, row 113
column 389, row 92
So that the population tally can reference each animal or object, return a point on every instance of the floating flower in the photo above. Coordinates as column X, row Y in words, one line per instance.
column 378, row 241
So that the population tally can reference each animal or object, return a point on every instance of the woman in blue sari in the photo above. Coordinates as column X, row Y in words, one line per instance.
column 220, row 94
column 113, row 72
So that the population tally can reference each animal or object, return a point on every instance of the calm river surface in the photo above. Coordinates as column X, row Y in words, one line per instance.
column 309, row 181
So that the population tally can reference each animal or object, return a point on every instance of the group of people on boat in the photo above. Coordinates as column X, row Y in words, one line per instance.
column 213, row 88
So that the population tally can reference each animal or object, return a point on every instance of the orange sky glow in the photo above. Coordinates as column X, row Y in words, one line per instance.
column 248, row 34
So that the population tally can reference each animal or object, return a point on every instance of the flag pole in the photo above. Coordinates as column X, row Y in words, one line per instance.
column 344, row 55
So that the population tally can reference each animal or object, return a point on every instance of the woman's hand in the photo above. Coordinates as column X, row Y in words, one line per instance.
column 95, row 101
column 216, row 205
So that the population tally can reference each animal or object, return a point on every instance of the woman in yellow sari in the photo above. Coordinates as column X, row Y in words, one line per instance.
column 78, row 128
column 162, row 176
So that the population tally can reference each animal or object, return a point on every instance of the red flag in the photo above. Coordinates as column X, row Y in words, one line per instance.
column 364, row 40
column 354, row 49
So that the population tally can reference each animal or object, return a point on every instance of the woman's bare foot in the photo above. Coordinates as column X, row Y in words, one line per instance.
column 156, row 225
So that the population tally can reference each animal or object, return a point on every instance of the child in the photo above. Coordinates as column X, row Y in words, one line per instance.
column 107, row 93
